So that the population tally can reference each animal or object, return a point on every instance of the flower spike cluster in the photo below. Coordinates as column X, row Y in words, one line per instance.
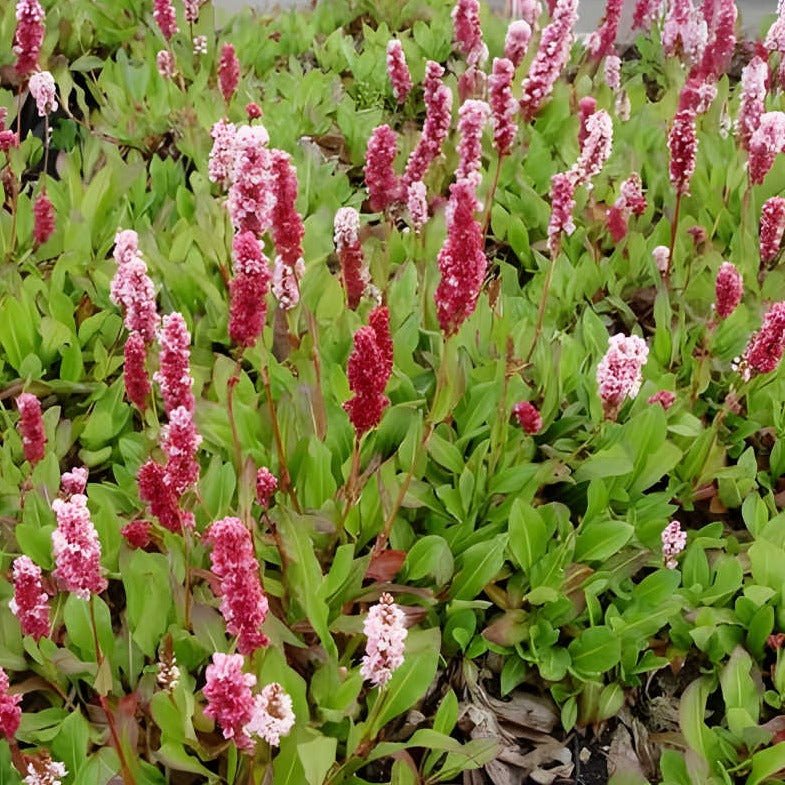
column 620, row 372
column 602, row 40
column 31, row 427
column 528, row 417
column 251, row 197
column 42, row 88
column 765, row 348
column 562, row 206
column 272, row 716
column 683, row 147
column 631, row 201
column 369, row 369
column 228, row 72
column 354, row 273
column 772, row 228
column 174, row 372
column 30, row 603
column 595, row 149
column 767, row 141
column 472, row 118
column 221, row 160
column 132, row 289
column 398, row 71
column 243, row 603
column 504, row 107
column 165, row 18
column 684, row 32
column 386, row 635
column 753, row 96
column 248, row 289
column 383, row 184
column 135, row 377
column 288, row 232
column 517, row 41
column 10, row 710
column 729, row 289
column 29, row 36
column 462, row 260
column 674, row 541
column 468, row 34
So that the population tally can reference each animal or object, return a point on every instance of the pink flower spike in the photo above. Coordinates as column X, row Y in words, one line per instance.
column 253, row 111
column 384, row 185
column 551, row 57
column 602, row 40
column 248, row 290
column 350, row 254
column 632, row 193
column 74, row 481
column 765, row 347
column 174, row 374
column 228, row 71
column 562, row 206
column 664, row 398
column 384, row 627
column 504, row 107
column 287, row 224
column 674, row 541
column 462, row 260
column 164, row 63
column 44, row 215
column 160, row 498
column 596, row 148
column 165, row 18
column 620, row 372
column 251, row 197
column 30, row 604
column 135, row 377
column 772, row 228
column 243, row 603
column 29, row 36
column 136, row 534
column 221, row 160
column 266, row 486
column 10, row 711
column 398, row 71
column 229, row 699
column 662, row 259
column 417, row 202
column 775, row 38
column 180, row 443
column 42, row 88
column 191, row 9
column 467, row 31
column 683, row 146
column 753, row 96
column 527, row 10
column 729, row 289
column 721, row 21
column 132, row 289
column 767, row 141
column 77, row 549
column 517, row 41
column 31, row 427
column 126, row 246
column 272, row 715
column 528, row 417
column 684, row 32
column 472, row 118
column 612, row 72
column 587, row 106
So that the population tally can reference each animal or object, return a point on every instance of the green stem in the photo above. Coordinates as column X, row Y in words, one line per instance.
column 546, row 288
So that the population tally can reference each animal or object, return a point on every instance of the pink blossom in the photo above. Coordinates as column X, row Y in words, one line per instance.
column 630, row 201
column 753, row 96
column 135, row 378
column 684, row 32
column 562, row 206
column 528, row 417
column 467, row 31
column 662, row 258
column 417, row 202
column 29, row 36
column 126, row 246
column 180, row 443
column 674, row 541
column 253, row 111
column 775, row 38
column 527, row 10
column 697, row 94
column 248, row 289
column 133, row 291
column 229, row 699
column 587, row 106
column 174, row 374
column 42, row 88
column 221, row 160
column 251, row 196
column 272, row 715
column 228, row 71
column 472, row 118
column 286, row 283
column 384, row 185
column 613, row 72
column 164, row 63
column 765, row 347
column 462, row 260
column 74, row 481
column 31, row 427
column 551, row 57
column 683, row 147
column 504, row 107
column 350, row 254
column 729, row 288
column 243, row 603
column 596, row 148
column 646, row 12
column 266, row 486
column 44, row 219
column 10, row 711
column 8, row 137
column 517, row 41
column 398, row 71
column 765, row 143
column 191, row 9
column 165, row 17
column 438, row 116
column 30, row 603
column 386, row 633
column 772, row 227
column 136, row 534
column 369, row 370
column 620, row 372
column 287, row 224
column 719, row 50
column 161, row 498
column 77, row 550
column 617, row 219
column 664, row 398
column 472, row 83
column 200, row 44
column 42, row 770
column 602, row 40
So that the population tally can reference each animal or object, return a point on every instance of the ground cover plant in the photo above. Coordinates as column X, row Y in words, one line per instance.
column 391, row 393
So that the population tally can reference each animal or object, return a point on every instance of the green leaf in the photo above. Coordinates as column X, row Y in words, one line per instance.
column 599, row 540
column 692, row 710
column 766, row 763
column 146, row 576
column 596, row 650
column 317, row 755
column 479, row 564
column 528, row 534
column 430, row 555
column 613, row 462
